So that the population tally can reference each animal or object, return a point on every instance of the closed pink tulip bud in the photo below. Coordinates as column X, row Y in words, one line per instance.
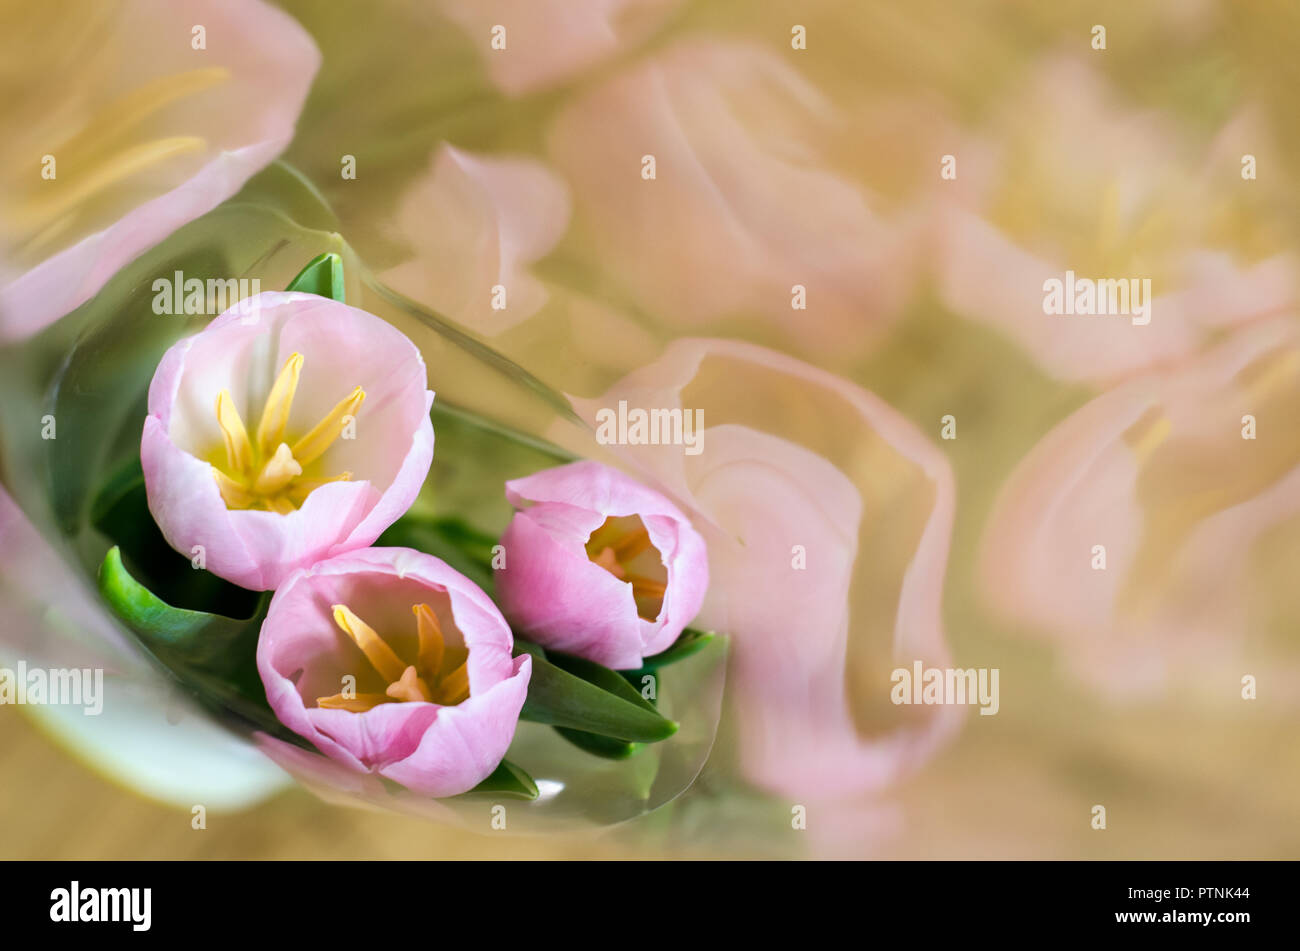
column 599, row 565
column 290, row 429
column 393, row 664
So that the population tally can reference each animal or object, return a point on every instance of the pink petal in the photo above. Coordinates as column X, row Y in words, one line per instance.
column 248, row 120
column 343, row 347
column 431, row 749
column 474, row 222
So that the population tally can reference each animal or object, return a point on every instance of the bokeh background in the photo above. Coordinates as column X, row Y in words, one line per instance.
column 815, row 157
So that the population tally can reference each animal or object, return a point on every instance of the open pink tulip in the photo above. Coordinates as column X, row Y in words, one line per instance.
column 163, row 109
column 599, row 565
column 391, row 663
column 290, row 429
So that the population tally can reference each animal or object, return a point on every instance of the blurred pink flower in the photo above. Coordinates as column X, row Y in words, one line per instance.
column 147, row 133
column 1158, row 473
column 283, row 490
column 472, row 223
column 1072, row 178
column 147, row 736
column 599, row 565
column 744, row 204
column 393, row 664
column 799, row 471
column 550, row 41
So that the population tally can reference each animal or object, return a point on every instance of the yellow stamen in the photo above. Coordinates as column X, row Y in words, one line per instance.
column 454, row 687
column 265, row 473
column 275, row 414
column 411, row 683
column 358, row 704
column 410, row 687
column 643, row 587
column 609, row 561
column 232, row 493
column 134, row 107
column 239, row 453
column 431, row 640
column 277, row 473
column 1146, row 435
column 310, row 447
column 632, row 545
column 377, row 651
column 279, row 504
column 616, row 546
column 49, row 204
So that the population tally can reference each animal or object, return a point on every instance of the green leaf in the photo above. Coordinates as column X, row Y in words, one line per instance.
column 508, row 780
column 120, row 512
column 602, row 677
column 323, row 276
column 614, row 683
column 604, row 746
column 162, row 625
column 690, row 642
column 559, row 698
column 212, row 655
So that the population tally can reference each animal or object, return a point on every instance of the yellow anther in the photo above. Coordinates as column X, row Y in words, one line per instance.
column 232, row 493
column 357, row 704
column 239, row 452
column 432, row 645
column 266, row 473
column 454, row 687
column 377, row 651
column 48, row 204
column 310, row 447
column 275, row 414
column 110, row 122
column 412, row 683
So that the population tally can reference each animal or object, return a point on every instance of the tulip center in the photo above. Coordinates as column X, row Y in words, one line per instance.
column 622, row 547
column 266, row 472
column 439, row 674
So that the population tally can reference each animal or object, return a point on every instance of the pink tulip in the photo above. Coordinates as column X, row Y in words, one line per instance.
column 797, row 465
column 475, row 222
column 393, row 664
column 290, row 429
column 599, row 565
column 1133, row 535
column 745, row 204
column 1112, row 193
column 153, row 125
